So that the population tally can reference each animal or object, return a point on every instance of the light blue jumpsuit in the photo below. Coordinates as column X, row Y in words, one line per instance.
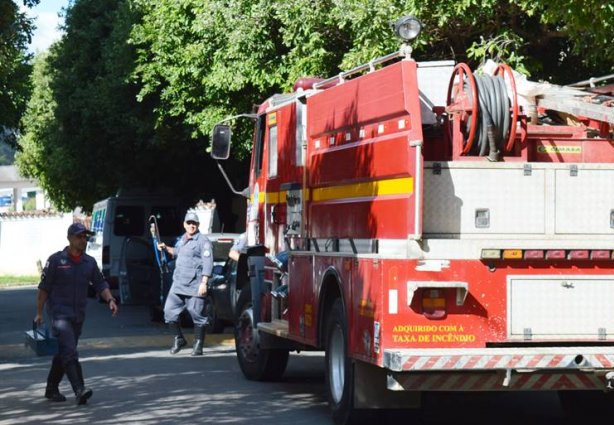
column 194, row 260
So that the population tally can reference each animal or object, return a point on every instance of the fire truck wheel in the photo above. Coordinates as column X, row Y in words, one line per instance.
column 340, row 371
column 579, row 404
column 257, row 364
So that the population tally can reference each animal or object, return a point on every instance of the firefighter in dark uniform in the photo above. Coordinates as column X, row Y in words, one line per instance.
column 193, row 267
column 63, row 288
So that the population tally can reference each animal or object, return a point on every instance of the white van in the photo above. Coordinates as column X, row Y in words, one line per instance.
column 122, row 246
column 121, row 223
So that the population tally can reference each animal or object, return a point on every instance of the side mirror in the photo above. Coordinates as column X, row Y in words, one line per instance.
column 220, row 144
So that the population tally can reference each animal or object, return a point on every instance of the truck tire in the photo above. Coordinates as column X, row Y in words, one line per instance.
column 340, row 371
column 257, row 364
column 579, row 404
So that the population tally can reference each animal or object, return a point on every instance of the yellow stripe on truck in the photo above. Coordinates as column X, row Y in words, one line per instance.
column 401, row 186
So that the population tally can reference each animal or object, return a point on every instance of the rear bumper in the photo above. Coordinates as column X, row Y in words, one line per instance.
column 476, row 359
column 500, row 369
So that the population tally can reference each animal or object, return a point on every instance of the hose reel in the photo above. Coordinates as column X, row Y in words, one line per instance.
column 480, row 113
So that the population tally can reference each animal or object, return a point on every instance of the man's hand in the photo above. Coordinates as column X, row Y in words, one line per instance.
column 202, row 289
column 113, row 307
column 38, row 319
column 161, row 246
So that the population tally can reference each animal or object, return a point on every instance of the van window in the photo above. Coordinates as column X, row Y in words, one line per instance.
column 260, row 128
column 169, row 221
column 129, row 220
column 272, row 152
column 98, row 220
column 301, row 131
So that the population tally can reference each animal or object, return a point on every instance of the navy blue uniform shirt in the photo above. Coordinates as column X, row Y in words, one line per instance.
column 66, row 282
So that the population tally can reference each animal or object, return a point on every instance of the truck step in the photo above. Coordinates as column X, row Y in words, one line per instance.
column 275, row 327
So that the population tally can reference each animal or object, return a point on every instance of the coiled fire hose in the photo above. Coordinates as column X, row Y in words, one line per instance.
column 493, row 122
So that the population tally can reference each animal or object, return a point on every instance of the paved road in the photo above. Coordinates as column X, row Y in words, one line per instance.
column 136, row 381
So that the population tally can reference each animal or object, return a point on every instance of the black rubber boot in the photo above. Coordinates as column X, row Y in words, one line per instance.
column 199, row 340
column 75, row 376
column 56, row 373
column 180, row 341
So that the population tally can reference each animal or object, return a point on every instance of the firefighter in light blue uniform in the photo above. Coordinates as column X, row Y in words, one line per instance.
column 193, row 267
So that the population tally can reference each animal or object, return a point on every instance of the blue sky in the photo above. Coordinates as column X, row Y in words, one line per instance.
column 47, row 22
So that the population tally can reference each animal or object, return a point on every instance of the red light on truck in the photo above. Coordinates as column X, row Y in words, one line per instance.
column 534, row 254
column 433, row 303
column 578, row 254
column 600, row 254
column 555, row 254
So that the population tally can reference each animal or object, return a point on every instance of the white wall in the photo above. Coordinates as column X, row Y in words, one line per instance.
column 24, row 240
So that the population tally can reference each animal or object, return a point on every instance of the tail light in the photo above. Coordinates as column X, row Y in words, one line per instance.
column 578, row 254
column 434, row 303
column 534, row 254
column 600, row 255
column 555, row 254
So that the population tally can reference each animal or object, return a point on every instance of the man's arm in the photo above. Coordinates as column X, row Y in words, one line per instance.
column 164, row 247
column 41, row 299
column 234, row 255
column 106, row 295
column 44, row 287
column 207, row 261
column 102, row 287
column 237, row 247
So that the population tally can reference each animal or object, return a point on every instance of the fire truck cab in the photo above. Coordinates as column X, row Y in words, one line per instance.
column 443, row 235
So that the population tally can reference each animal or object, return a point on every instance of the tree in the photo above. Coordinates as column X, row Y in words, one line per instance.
column 86, row 135
column 136, row 85
column 210, row 59
column 15, row 32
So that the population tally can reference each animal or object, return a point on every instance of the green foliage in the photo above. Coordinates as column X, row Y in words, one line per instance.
column 86, row 134
column 15, row 32
column 130, row 94
column 206, row 60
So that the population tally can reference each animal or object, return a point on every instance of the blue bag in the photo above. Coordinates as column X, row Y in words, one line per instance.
column 40, row 341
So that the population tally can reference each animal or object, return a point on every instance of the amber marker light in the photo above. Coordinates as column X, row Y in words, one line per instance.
column 433, row 303
column 512, row 254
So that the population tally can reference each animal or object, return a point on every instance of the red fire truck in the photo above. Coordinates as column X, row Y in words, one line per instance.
column 445, row 230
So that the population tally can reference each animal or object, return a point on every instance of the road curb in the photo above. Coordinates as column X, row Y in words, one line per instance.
column 16, row 351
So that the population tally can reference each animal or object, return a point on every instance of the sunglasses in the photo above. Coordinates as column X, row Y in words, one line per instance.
column 192, row 223
column 83, row 236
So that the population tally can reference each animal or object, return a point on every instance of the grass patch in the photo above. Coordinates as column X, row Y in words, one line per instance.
column 6, row 281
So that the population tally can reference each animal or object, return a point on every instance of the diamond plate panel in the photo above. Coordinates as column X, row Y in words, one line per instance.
column 584, row 202
column 516, row 202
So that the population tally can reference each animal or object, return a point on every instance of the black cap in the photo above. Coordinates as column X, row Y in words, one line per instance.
column 77, row 229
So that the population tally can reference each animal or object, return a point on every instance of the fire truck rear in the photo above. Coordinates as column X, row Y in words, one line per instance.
column 444, row 230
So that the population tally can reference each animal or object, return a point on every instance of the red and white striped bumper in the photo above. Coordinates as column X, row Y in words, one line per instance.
column 515, row 369
column 580, row 358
